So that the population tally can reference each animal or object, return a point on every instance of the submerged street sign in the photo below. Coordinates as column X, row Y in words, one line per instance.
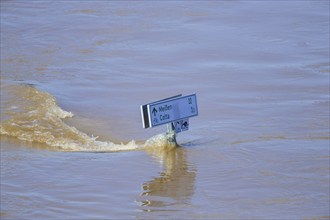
column 169, row 110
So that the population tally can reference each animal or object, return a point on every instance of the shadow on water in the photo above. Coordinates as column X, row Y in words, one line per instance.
column 174, row 186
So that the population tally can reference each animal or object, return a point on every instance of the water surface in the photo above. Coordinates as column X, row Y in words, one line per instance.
column 73, row 77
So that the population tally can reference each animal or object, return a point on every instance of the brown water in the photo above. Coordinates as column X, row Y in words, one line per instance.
column 73, row 77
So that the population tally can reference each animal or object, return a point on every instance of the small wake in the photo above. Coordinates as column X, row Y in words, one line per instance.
column 36, row 117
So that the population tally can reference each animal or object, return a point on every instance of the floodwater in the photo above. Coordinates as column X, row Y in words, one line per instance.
column 73, row 77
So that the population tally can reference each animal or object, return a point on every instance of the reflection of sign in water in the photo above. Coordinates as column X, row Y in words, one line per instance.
column 178, row 108
column 173, row 187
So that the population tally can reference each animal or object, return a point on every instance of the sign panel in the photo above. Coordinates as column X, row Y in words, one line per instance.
column 169, row 110
column 181, row 125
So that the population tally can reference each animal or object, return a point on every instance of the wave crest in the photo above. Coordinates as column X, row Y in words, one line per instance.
column 38, row 118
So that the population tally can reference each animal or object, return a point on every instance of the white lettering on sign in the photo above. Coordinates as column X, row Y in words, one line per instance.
column 170, row 110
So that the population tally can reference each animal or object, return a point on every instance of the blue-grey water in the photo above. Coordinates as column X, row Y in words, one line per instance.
column 73, row 77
